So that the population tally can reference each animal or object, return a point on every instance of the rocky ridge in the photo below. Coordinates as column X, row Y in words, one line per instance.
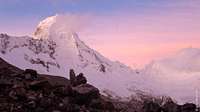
column 28, row 91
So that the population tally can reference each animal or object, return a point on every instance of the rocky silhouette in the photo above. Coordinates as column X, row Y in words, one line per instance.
column 28, row 91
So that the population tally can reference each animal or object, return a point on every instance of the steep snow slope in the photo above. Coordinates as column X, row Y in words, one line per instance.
column 177, row 76
column 55, row 49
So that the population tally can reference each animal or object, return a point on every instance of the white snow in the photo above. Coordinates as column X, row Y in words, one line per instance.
column 43, row 28
column 70, row 52
column 55, row 48
column 177, row 76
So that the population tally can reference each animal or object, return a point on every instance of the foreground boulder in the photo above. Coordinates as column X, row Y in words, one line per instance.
column 188, row 107
column 80, row 79
column 171, row 107
column 150, row 106
column 76, row 80
column 30, row 74
column 85, row 93
column 72, row 77
column 28, row 91
column 39, row 84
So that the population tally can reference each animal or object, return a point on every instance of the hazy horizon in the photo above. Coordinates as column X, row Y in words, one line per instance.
column 134, row 32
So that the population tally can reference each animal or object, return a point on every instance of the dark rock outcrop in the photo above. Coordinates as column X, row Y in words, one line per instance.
column 72, row 77
column 30, row 74
column 150, row 106
column 28, row 91
column 188, row 107
column 171, row 107
column 77, row 80
column 85, row 93
column 80, row 79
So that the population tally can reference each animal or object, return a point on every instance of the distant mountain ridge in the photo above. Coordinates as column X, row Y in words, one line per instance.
column 177, row 76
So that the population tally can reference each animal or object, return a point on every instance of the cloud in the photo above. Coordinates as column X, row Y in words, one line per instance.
column 71, row 22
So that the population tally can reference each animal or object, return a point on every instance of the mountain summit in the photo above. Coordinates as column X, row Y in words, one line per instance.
column 55, row 48
column 44, row 27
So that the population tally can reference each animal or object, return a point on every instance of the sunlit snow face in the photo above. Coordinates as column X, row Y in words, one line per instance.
column 59, row 25
column 43, row 28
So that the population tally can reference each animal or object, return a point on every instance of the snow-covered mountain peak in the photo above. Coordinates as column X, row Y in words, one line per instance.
column 54, row 29
column 43, row 28
column 56, row 48
column 58, row 28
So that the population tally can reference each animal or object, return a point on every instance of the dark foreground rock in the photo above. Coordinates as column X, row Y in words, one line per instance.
column 169, row 106
column 28, row 91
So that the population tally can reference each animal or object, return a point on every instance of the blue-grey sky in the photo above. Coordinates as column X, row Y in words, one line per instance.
column 28, row 12
column 42, row 8
column 18, row 8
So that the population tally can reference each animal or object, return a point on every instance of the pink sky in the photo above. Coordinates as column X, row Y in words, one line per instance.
column 137, row 40
column 133, row 40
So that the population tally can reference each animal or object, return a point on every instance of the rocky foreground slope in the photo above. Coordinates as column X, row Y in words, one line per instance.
column 28, row 91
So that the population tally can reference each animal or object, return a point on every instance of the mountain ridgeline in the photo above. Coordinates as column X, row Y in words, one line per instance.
column 54, row 49
column 28, row 91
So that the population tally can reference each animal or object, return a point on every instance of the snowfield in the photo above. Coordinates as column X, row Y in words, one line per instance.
column 177, row 76
column 55, row 48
